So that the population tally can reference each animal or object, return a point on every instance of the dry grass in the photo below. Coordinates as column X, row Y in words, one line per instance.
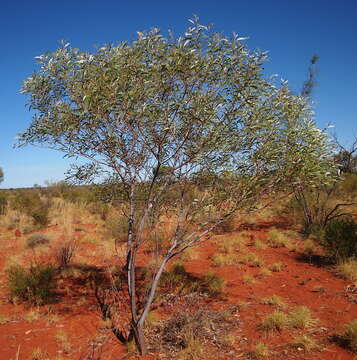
column 277, row 239
column 32, row 316
column 274, row 301
column 62, row 340
column 230, row 245
column 274, row 322
column 265, row 272
column 349, row 337
column 304, row 343
column 249, row 279
column 261, row 351
column 348, row 270
column 276, row 267
column 301, row 318
column 259, row 245
column 225, row 259
column 251, row 259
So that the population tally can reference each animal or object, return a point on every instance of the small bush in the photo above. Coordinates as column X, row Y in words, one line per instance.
column 340, row 239
column 34, row 285
column 349, row 337
column 276, row 239
column 348, row 269
column 116, row 227
column 301, row 318
column 274, row 322
column 36, row 240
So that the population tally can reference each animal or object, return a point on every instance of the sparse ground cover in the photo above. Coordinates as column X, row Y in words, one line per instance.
column 279, row 307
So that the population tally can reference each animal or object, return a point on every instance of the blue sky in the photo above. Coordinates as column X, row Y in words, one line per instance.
column 291, row 31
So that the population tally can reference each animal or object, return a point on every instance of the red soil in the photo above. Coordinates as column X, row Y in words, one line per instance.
column 299, row 283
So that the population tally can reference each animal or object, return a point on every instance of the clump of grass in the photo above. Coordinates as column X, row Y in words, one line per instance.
column 274, row 301
column 349, row 337
column 276, row 239
column 305, row 343
column 348, row 269
column 224, row 259
column 249, row 279
column 264, row 272
column 259, row 245
column 4, row 319
column 274, row 322
column 32, row 316
column 61, row 338
column 276, row 267
column 309, row 248
column 38, row 354
column 301, row 318
column 212, row 284
column 36, row 240
column 261, row 351
column 189, row 254
column 251, row 259
column 193, row 349
column 231, row 244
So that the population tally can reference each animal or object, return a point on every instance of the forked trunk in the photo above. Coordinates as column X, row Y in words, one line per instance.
column 139, row 337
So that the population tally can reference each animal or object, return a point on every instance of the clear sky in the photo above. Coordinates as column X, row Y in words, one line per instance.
column 292, row 31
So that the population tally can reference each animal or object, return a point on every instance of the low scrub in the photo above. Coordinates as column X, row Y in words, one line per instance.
column 34, row 285
column 340, row 239
column 193, row 334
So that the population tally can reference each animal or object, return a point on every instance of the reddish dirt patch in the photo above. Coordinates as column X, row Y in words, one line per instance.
column 76, row 313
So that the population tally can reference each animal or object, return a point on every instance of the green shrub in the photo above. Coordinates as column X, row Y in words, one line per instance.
column 32, row 204
column 340, row 239
column 34, row 285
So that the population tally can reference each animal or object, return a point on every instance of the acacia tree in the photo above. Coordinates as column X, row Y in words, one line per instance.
column 189, row 124
column 1, row 175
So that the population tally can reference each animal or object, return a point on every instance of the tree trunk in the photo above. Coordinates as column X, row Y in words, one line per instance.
column 139, row 337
